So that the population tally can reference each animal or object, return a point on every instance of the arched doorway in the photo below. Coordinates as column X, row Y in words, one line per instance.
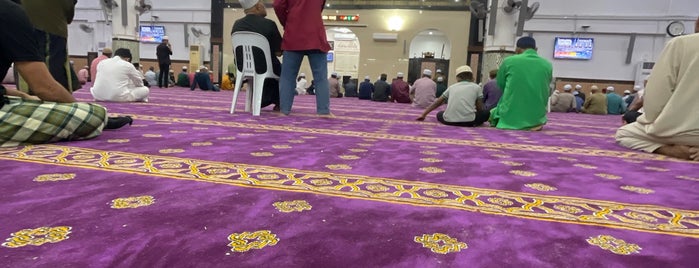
column 429, row 49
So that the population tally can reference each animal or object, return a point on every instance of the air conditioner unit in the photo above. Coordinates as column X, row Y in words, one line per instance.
column 196, row 57
column 385, row 37
column 643, row 69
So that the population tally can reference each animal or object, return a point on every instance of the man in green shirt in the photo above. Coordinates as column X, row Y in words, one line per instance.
column 524, row 80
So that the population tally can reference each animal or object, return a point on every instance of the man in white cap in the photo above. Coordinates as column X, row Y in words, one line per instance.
column 301, row 84
column 424, row 90
column 632, row 96
column 400, row 90
column 581, row 94
column 366, row 89
column 437, row 74
column 563, row 102
column 615, row 104
column 669, row 124
column 596, row 103
column 183, row 77
column 203, row 80
column 163, row 52
column 334, row 84
column 465, row 107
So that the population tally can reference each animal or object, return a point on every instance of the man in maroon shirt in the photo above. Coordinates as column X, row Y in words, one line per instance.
column 304, row 35
column 400, row 90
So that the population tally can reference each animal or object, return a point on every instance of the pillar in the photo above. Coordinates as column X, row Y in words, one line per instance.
column 125, row 20
column 499, row 42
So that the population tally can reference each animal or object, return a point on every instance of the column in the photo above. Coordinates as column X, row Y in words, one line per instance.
column 499, row 42
column 125, row 20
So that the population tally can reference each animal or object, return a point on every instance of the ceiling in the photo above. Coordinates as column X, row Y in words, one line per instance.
column 384, row 4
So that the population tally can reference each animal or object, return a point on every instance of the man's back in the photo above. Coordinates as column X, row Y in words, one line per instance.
column 400, row 91
column 524, row 80
column 615, row 104
column 563, row 103
column 351, row 89
column 461, row 105
column 203, row 80
column 491, row 94
column 151, row 78
column 366, row 88
column 596, row 104
column 163, row 52
column 115, row 80
column 425, row 91
column 334, row 87
column 381, row 91
column 268, row 29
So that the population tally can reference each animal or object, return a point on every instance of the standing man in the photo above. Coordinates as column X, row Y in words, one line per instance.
column 424, row 90
column 524, row 80
column 491, row 91
column 465, row 107
column 304, row 35
column 163, row 51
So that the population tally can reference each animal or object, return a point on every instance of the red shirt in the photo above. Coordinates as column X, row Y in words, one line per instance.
column 303, row 24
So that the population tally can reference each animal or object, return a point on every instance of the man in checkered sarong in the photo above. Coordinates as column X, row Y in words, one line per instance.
column 53, row 114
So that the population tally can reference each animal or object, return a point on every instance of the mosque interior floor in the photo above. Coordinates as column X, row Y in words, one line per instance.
column 190, row 185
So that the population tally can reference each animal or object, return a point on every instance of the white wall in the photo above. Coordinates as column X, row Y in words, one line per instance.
column 437, row 43
column 611, row 23
column 173, row 14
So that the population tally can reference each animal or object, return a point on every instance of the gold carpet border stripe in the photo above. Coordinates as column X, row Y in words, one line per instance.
column 407, row 138
column 644, row 218
column 407, row 122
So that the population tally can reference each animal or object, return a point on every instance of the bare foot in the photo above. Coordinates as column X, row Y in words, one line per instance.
column 678, row 151
column 537, row 128
column 695, row 153
column 330, row 115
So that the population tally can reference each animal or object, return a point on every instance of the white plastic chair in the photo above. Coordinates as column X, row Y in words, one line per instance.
column 248, row 40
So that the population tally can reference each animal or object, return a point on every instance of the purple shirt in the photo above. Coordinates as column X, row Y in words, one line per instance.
column 491, row 94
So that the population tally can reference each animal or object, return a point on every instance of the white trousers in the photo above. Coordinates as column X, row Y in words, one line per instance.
column 634, row 136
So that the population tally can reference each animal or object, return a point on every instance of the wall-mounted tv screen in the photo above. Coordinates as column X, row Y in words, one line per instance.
column 152, row 34
column 573, row 48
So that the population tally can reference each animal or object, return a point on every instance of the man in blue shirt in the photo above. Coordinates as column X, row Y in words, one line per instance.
column 203, row 80
column 366, row 88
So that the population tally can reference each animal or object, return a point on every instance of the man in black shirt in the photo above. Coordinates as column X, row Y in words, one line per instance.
column 255, row 21
column 53, row 114
column 163, row 51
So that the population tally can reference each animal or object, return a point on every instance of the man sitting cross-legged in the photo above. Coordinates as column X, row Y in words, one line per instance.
column 53, row 114
column 465, row 107
column 669, row 124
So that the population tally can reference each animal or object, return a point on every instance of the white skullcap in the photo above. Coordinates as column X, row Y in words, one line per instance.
column 610, row 88
column 439, row 71
column 427, row 72
column 302, row 74
column 578, row 87
column 165, row 37
column 567, row 87
column 334, row 74
column 202, row 67
column 184, row 67
column 245, row 4
column 400, row 75
column 627, row 91
column 636, row 88
column 367, row 77
column 440, row 79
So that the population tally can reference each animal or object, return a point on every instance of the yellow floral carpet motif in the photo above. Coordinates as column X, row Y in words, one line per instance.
column 665, row 220
column 55, row 177
column 245, row 241
column 440, row 243
column 133, row 202
column 292, row 206
column 614, row 245
column 37, row 237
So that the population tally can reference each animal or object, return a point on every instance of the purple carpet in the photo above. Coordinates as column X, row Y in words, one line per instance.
column 190, row 185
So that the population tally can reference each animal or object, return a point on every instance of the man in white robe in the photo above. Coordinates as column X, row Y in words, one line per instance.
column 118, row 80
column 669, row 124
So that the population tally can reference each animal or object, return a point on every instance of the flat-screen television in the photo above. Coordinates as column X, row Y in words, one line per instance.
column 573, row 48
column 152, row 34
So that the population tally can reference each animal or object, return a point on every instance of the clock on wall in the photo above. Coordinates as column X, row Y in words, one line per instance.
column 675, row 28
